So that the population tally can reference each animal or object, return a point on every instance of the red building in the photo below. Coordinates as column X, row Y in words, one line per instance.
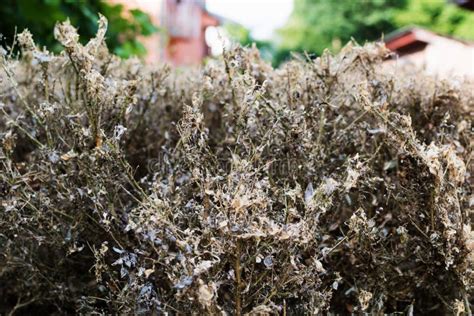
column 186, row 22
column 437, row 54
column 183, row 24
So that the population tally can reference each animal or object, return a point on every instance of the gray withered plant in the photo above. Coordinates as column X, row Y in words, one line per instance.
column 335, row 184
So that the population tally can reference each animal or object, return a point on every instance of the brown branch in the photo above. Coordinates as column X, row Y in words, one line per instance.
column 238, row 281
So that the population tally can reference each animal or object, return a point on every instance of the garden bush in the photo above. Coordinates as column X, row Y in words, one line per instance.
column 339, row 184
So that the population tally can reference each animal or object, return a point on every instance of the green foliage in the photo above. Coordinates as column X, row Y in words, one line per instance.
column 40, row 16
column 239, row 33
column 319, row 24
column 438, row 16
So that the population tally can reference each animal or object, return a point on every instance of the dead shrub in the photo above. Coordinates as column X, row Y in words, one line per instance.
column 327, row 185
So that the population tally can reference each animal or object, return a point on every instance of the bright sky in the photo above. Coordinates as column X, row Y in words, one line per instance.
column 262, row 17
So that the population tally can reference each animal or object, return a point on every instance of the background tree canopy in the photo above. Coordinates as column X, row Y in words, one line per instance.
column 40, row 16
column 319, row 24
column 439, row 16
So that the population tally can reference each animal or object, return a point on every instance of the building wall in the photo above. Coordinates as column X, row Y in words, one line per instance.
column 448, row 57
column 182, row 41
column 179, row 51
column 184, row 23
column 444, row 57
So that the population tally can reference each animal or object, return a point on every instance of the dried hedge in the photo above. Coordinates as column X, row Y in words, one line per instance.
column 337, row 185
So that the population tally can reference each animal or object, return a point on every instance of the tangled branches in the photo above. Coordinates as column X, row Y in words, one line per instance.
column 328, row 185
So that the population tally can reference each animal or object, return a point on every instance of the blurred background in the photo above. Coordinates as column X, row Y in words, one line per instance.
column 435, row 34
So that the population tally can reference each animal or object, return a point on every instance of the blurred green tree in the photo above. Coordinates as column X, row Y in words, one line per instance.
column 319, row 24
column 438, row 16
column 40, row 16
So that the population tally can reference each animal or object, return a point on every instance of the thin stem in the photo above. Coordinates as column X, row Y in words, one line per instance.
column 238, row 281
